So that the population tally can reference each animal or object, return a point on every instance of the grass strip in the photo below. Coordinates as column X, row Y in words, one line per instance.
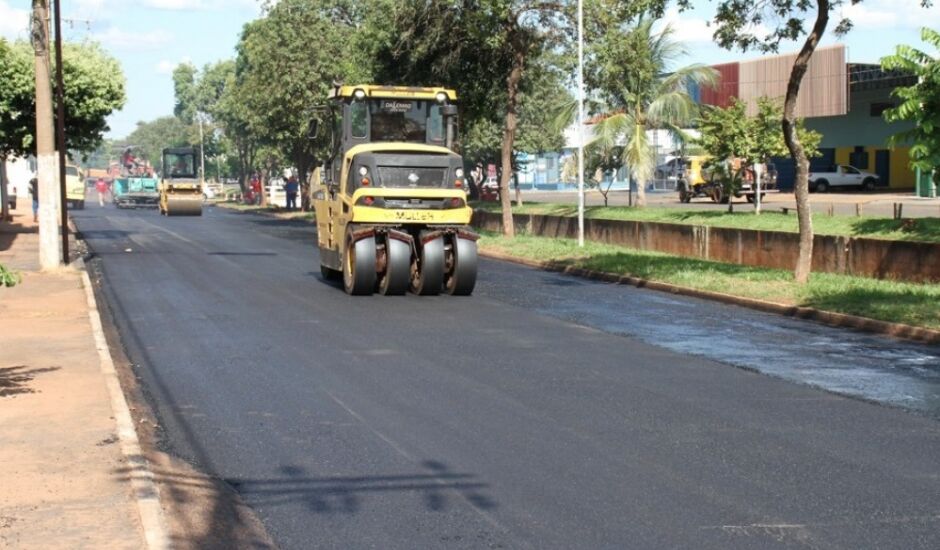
column 255, row 209
column 896, row 302
column 915, row 229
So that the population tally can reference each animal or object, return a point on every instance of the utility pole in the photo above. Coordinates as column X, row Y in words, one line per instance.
column 49, row 245
column 60, row 132
column 580, row 123
column 202, row 156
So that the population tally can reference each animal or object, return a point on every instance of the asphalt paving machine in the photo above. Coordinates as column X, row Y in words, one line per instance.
column 392, row 213
column 180, row 188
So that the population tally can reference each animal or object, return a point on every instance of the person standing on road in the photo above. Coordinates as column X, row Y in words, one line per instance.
column 102, row 187
column 255, row 188
column 34, row 193
column 291, row 188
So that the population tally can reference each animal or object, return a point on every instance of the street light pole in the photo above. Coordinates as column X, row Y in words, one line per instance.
column 580, row 123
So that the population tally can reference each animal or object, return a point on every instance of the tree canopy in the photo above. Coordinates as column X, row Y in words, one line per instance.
column 920, row 102
column 94, row 88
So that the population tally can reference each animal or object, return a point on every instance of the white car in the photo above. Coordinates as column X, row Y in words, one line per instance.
column 842, row 176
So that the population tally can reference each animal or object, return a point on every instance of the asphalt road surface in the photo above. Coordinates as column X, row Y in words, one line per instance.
column 544, row 411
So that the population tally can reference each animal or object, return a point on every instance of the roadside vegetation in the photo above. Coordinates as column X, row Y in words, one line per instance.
column 8, row 277
column 274, row 210
column 918, row 229
column 908, row 303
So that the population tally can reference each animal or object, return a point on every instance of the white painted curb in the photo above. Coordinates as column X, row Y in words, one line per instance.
column 142, row 481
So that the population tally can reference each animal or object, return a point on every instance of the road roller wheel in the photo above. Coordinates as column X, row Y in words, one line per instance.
column 427, row 273
column 183, row 205
column 398, row 268
column 463, row 273
column 359, row 266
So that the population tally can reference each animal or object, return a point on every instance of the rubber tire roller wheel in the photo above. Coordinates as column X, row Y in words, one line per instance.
column 398, row 268
column 359, row 266
column 427, row 277
column 461, row 281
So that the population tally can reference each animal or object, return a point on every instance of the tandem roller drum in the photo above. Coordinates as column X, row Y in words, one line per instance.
column 184, row 205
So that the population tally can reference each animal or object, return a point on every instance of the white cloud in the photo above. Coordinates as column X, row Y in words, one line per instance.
column 891, row 14
column 197, row 5
column 689, row 30
column 165, row 66
column 14, row 22
column 129, row 39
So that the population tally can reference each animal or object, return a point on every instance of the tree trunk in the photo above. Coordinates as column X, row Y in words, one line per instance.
column 509, row 136
column 804, row 263
column 640, row 184
column 4, row 199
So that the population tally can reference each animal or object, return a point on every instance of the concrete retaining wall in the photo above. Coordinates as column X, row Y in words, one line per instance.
column 900, row 260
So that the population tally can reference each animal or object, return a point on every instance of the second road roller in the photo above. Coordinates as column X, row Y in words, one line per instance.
column 180, row 187
column 392, row 213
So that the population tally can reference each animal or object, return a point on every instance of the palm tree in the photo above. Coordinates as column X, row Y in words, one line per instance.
column 640, row 93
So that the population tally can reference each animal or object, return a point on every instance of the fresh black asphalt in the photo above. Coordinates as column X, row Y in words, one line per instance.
column 529, row 415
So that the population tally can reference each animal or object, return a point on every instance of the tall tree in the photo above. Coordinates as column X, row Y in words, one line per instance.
column 738, row 25
column 485, row 50
column 286, row 63
column 920, row 103
column 17, row 116
column 184, row 90
column 94, row 88
column 640, row 91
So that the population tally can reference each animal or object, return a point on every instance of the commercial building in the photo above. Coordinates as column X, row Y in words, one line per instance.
column 842, row 101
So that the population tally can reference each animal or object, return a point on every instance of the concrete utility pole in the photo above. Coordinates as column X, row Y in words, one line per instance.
column 49, row 245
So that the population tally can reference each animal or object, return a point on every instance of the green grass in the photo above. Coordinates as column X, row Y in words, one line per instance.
column 908, row 303
column 919, row 229
column 295, row 215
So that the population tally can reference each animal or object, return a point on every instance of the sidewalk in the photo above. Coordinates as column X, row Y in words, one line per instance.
column 61, row 484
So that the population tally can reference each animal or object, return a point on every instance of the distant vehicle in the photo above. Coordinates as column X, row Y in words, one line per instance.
column 696, row 179
column 842, row 176
column 74, row 187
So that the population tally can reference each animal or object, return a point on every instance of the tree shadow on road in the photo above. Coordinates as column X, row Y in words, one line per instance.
column 227, row 520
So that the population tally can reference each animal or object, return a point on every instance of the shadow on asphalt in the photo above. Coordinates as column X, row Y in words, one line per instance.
column 108, row 234
column 437, row 487
column 241, row 254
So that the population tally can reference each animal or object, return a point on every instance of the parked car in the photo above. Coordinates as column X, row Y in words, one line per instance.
column 74, row 187
column 842, row 176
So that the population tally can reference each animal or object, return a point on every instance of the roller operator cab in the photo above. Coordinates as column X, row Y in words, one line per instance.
column 392, row 211
column 180, row 188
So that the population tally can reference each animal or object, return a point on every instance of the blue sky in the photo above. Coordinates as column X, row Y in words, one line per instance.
column 150, row 37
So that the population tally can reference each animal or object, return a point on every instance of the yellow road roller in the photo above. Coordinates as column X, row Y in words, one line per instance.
column 392, row 213
column 180, row 188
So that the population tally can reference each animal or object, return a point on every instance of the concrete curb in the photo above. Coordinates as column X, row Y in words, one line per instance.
column 831, row 318
column 142, row 480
